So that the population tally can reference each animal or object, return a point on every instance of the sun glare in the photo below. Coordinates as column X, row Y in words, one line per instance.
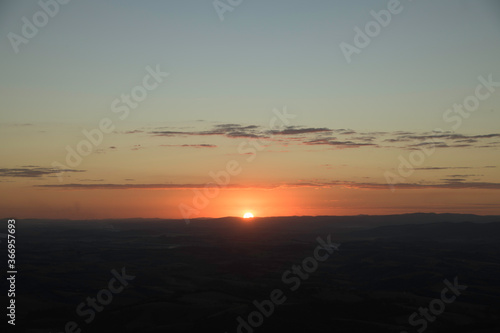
column 248, row 215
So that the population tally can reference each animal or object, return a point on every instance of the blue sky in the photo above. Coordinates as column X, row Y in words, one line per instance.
column 263, row 55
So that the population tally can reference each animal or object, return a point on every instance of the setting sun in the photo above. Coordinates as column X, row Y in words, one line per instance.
column 248, row 215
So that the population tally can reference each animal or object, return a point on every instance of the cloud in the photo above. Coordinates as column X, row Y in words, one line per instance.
column 31, row 171
column 447, row 184
column 296, row 130
column 365, row 138
column 228, row 130
column 104, row 150
column 449, row 180
column 336, row 143
column 450, row 136
column 134, row 132
column 296, row 133
column 464, row 176
column 451, row 183
column 136, row 147
column 16, row 125
column 345, row 131
column 201, row 145
column 453, row 168
column 140, row 186
column 340, row 137
column 443, row 140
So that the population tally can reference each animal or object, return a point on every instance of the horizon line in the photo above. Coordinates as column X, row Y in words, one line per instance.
column 240, row 217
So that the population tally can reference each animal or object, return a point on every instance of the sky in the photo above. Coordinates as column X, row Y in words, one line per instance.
column 215, row 108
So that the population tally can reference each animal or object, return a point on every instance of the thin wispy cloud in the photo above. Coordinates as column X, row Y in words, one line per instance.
column 227, row 130
column 295, row 130
column 336, row 143
column 339, row 138
column 31, row 171
column 139, row 186
column 455, row 168
column 444, row 184
column 201, row 145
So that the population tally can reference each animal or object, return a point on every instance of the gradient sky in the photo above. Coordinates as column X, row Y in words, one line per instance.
column 352, row 125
